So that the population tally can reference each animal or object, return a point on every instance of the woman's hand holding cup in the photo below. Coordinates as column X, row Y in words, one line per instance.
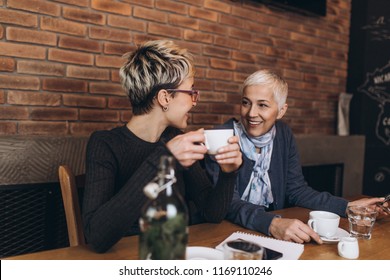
column 186, row 147
column 229, row 157
column 192, row 146
column 224, row 147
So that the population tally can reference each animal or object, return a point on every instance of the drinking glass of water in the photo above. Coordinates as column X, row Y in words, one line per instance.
column 361, row 221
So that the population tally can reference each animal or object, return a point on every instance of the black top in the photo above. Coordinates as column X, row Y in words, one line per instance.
column 119, row 165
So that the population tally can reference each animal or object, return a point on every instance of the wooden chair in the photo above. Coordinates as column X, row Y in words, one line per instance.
column 70, row 199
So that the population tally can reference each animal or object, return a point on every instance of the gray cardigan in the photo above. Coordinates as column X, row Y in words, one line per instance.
column 289, row 187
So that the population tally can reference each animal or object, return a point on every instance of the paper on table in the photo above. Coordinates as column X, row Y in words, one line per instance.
column 290, row 250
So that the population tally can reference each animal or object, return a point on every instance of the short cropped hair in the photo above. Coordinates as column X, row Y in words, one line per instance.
column 270, row 79
column 153, row 66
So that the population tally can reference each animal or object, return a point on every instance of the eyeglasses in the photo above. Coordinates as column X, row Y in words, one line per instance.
column 193, row 92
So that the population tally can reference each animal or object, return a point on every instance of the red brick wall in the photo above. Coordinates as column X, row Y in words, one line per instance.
column 59, row 59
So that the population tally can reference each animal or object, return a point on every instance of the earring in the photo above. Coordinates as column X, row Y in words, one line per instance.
column 165, row 108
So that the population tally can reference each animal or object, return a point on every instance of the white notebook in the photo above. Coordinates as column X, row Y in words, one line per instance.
column 290, row 250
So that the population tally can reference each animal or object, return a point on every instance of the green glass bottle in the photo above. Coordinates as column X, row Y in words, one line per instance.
column 164, row 218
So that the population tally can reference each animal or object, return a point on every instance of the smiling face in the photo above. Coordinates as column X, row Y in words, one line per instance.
column 180, row 105
column 259, row 110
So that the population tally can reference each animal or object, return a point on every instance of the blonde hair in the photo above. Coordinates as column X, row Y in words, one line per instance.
column 268, row 78
column 153, row 66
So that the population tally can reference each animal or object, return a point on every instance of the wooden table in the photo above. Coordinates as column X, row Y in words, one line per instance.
column 210, row 235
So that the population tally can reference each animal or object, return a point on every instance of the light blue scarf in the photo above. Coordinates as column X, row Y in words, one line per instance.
column 258, row 190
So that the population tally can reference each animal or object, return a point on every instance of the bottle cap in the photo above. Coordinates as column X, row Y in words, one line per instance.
column 151, row 190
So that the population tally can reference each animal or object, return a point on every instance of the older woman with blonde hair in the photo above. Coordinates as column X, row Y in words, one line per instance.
column 158, row 78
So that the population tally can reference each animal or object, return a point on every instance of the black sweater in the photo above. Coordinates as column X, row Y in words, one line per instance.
column 119, row 165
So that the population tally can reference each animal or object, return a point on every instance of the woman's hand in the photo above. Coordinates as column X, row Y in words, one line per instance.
column 371, row 203
column 229, row 157
column 293, row 230
column 187, row 148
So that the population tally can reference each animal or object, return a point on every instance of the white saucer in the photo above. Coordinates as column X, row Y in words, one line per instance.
column 334, row 239
column 203, row 253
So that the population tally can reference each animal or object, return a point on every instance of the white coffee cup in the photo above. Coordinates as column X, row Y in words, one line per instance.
column 324, row 223
column 348, row 248
column 216, row 139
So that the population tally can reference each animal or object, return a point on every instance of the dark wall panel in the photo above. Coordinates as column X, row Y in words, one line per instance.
column 369, row 82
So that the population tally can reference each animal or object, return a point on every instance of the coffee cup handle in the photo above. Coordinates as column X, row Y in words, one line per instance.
column 340, row 247
column 312, row 225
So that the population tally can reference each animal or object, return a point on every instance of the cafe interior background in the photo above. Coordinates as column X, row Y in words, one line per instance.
column 59, row 82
